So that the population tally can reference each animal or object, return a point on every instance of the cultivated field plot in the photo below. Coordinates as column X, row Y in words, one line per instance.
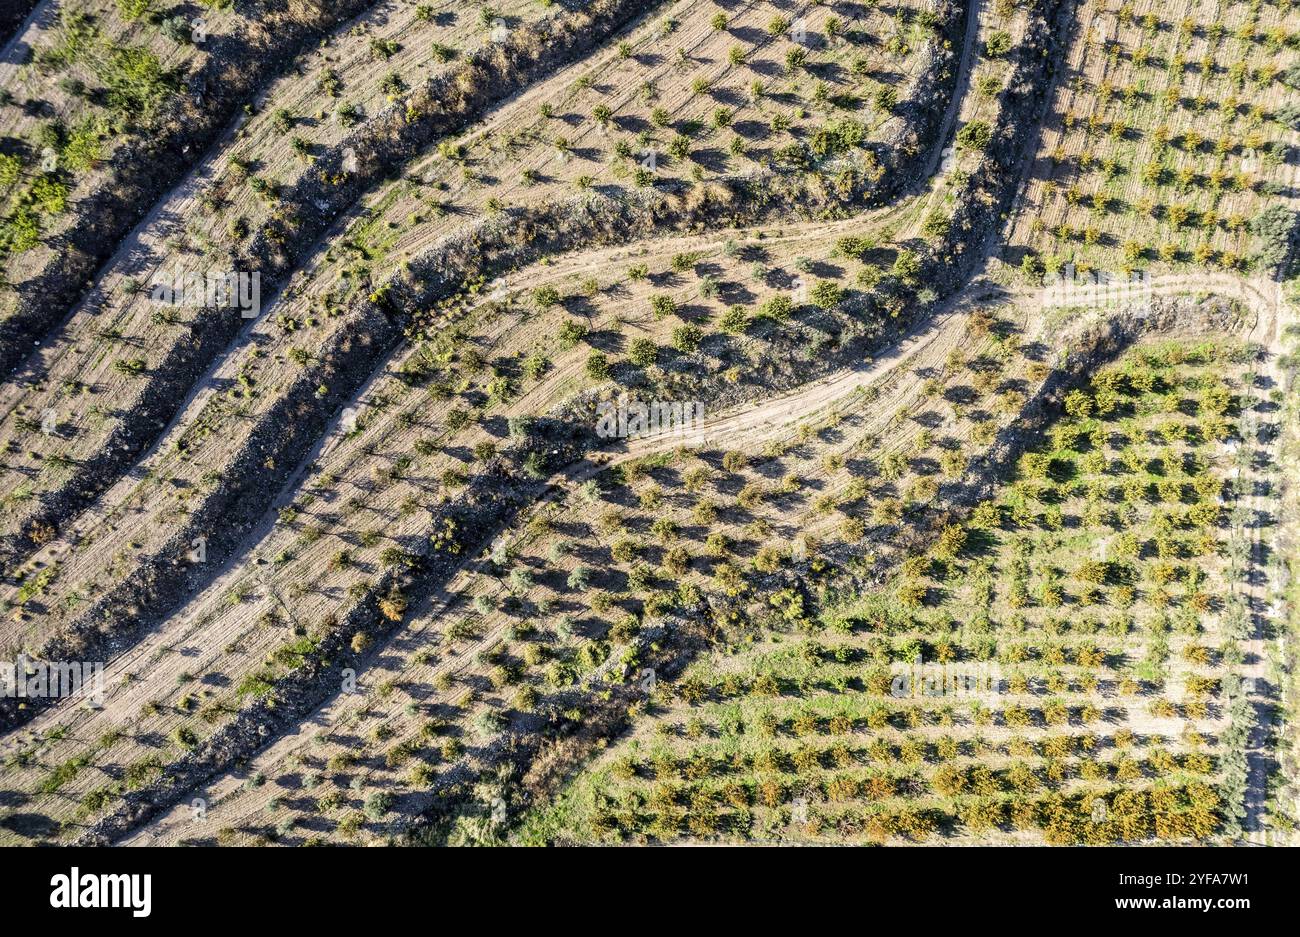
column 619, row 422
column 1168, row 142
column 1087, row 610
